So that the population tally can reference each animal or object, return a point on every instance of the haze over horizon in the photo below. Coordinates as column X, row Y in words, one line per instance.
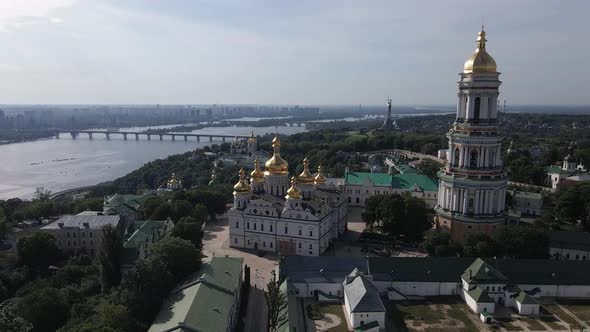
column 295, row 52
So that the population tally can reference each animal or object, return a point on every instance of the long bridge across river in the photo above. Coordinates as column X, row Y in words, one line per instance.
column 125, row 134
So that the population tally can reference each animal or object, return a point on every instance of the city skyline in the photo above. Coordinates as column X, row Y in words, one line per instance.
column 258, row 52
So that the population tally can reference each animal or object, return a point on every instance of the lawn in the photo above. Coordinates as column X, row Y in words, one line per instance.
column 335, row 309
column 562, row 315
column 579, row 308
column 419, row 311
column 437, row 314
column 533, row 324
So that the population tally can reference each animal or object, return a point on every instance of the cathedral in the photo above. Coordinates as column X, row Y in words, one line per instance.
column 302, row 215
column 472, row 186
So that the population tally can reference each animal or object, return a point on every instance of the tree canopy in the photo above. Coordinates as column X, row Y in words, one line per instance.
column 37, row 251
column 399, row 215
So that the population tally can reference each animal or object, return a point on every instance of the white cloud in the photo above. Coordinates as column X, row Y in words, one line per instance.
column 18, row 13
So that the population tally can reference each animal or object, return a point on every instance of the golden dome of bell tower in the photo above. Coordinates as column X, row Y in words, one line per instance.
column 480, row 61
column 276, row 165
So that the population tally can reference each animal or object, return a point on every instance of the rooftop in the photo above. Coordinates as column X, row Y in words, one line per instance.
column 363, row 296
column 204, row 304
column 406, row 181
column 83, row 222
column 366, row 178
column 482, row 272
column 443, row 269
column 321, row 268
column 480, row 295
column 526, row 194
column 524, row 298
column 288, row 313
column 569, row 240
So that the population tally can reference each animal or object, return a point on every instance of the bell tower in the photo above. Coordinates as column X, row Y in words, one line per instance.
column 472, row 186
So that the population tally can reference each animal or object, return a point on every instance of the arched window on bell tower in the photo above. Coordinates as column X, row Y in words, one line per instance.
column 476, row 109
column 473, row 159
column 456, row 160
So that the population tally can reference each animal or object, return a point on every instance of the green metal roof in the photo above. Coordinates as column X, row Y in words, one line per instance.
column 288, row 313
column 407, row 181
column 524, row 298
column 360, row 178
column 480, row 296
column 205, row 304
column 224, row 272
column 555, row 170
column 367, row 326
column 404, row 169
column 147, row 230
column 482, row 272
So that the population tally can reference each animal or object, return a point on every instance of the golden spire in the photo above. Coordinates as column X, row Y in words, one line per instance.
column 242, row 186
column 306, row 177
column 257, row 175
column 252, row 138
column 276, row 165
column 480, row 61
column 293, row 192
column 320, row 178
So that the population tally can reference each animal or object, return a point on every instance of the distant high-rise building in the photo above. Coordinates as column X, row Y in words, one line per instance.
column 472, row 187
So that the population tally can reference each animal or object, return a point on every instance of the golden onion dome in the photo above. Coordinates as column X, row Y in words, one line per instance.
column 257, row 175
column 242, row 186
column 173, row 180
column 480, row 61
column 306, row 177
column 276, row 165
column 293, row 192
column 320, row 178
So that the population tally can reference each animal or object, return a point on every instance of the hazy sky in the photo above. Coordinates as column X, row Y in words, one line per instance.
column 287, row 51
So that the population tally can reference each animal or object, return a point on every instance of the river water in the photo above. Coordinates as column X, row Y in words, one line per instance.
column 64, row 163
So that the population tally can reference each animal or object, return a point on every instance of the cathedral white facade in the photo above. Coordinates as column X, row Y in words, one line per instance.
column 472, row 188
column 301, row 216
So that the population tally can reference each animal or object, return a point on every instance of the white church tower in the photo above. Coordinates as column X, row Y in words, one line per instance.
column 472, row 186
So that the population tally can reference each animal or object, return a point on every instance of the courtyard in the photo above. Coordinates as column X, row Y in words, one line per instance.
column 444, row 314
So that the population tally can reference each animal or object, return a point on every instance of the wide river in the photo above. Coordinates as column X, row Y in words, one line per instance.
column 64, row 163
